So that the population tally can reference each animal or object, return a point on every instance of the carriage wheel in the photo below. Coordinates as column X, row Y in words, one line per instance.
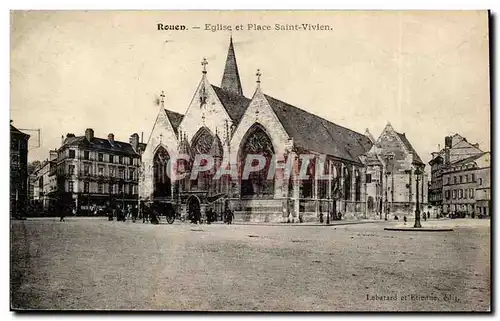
column 170, row 219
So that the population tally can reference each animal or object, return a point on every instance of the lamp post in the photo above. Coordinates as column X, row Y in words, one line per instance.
column 417, row 210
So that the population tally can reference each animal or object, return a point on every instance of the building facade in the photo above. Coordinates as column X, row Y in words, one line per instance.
column 395, row 176
column 222, row 122
column 18, row 172
column 444, row 167
column 466, row 186
column 45, row 186
column 93, row 172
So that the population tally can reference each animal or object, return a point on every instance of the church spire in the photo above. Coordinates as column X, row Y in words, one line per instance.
column 231, row 77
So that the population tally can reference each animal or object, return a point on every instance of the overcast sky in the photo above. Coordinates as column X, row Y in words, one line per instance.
column 425, row 72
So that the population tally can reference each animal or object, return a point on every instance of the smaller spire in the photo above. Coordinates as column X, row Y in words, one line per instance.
column 204, row 63
column 258, row 74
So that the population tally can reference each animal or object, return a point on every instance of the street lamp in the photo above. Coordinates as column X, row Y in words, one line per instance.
column 417, row 210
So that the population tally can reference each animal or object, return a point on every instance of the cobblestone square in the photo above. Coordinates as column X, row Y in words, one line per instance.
column 97, row 264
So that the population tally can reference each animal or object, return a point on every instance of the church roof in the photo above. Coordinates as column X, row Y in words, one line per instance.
column 231, row 77
column 416, row 158
column 313, row 133
column 234, row 104
column 175, row 119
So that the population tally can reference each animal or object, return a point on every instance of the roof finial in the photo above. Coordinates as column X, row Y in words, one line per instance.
column 162, row 98
column 258, row 74
column 204, row 63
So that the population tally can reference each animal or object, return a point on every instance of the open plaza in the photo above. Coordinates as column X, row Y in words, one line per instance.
column 92, row 263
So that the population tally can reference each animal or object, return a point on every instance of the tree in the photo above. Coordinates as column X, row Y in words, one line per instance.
column 33, row 166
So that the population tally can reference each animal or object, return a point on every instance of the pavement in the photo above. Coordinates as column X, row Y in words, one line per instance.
column 97, row 264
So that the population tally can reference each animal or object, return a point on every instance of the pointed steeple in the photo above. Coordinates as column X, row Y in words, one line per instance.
column 231, row 77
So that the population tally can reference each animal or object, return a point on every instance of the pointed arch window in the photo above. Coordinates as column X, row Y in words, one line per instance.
column 161, row 170
column 257, row 142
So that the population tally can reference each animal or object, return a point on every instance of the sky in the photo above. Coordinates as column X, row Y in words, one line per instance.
column 427, row 73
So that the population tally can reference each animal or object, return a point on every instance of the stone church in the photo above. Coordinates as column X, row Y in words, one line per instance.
column 222, row 122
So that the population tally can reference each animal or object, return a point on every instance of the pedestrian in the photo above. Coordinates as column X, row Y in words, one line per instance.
column 231, row 217
column 405, row 219
column 425, row 216
column 134, row 213
column 62, row 210
column 74, row 211
column 109, row 211
column 339, row 215
column 209, row 215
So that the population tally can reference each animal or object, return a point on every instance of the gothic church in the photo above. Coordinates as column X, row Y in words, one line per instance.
column 222, row 122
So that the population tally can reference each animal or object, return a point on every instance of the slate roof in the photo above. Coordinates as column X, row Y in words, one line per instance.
column 15, row 131
column 313, row 133
column 234, row 104
column 468, row 159
column 416, row 158
column 175, row 119
column 231, row 77
column 100, row 144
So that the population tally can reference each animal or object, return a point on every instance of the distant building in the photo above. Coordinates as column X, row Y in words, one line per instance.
column 45, row 185
column 392, row 165
column 446, row 164
column 92, row 172
column 18, row 172
column 466, row 186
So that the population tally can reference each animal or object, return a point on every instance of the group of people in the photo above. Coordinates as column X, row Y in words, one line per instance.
column 211, row 216
column 333, row 216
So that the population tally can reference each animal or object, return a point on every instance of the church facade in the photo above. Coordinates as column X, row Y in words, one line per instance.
column 316, row 171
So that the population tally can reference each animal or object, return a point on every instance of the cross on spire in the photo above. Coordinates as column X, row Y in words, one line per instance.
column 258, row 74
column 162, row 97
column 204, row 63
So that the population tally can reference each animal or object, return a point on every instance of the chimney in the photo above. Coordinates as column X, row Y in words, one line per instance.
column 111, row 137
column 134, row 141
column 68, row 135
column 89, row 134
column 448, row 141
column 53, row 155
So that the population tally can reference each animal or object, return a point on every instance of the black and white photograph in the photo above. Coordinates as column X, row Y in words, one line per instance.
column 250, row 161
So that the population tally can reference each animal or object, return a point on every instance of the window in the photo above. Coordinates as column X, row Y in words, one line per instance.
column 448, row 180
column 131, row 173
column 472, row 190
column 71, row 153
column 473, row 177
column 110, row 188
column 86, row 186
column 86, row 169
column 70, row 186
column 86, row 155
column 100, row 157
column 120, row 188
column 99, row 188
column 480, row 181
column 460, row 193
column 111, row 172
column 111, row 158
column 454, row 179
column 368, row 178
column 466, row 178
column 71, row 169
column 120, row 159
column 131, row 160
column 465, row 193
column 460, row 179
column 121, row 173
column 101, row 171
column 454, row 193
column 447, row 194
